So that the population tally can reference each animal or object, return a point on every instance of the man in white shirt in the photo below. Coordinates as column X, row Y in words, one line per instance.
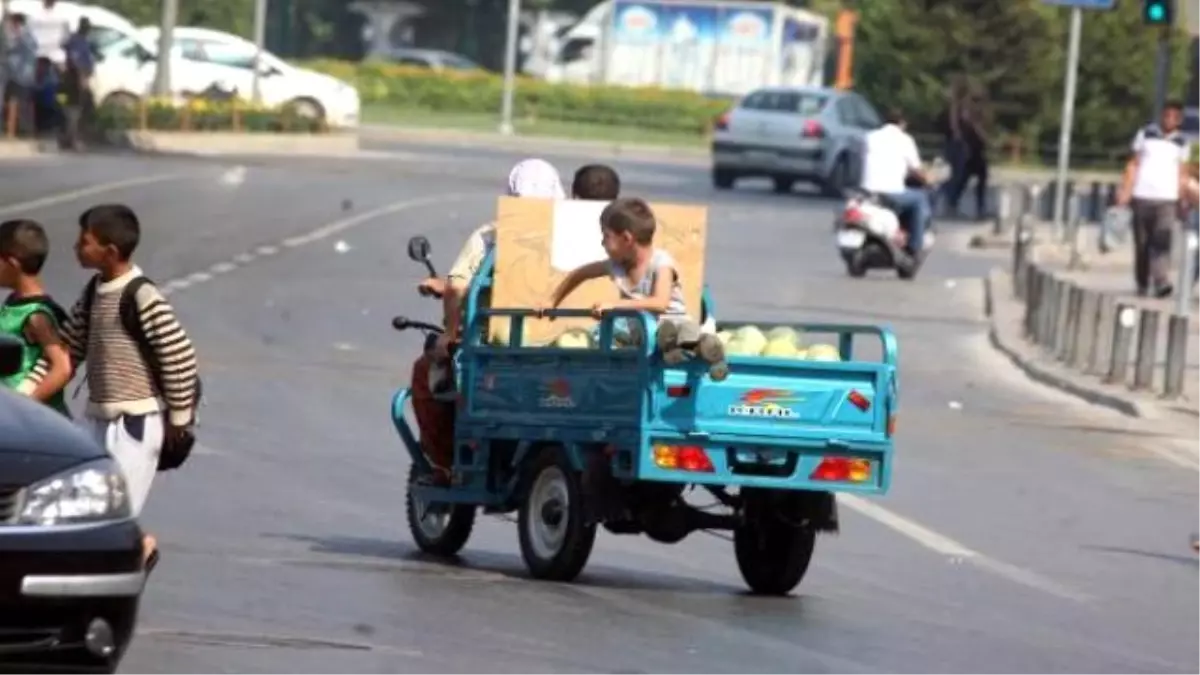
column 51, row 27
column 891, row 157
column 1150, row 187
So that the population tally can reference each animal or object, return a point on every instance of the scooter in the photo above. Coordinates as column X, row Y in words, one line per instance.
column 869, row 236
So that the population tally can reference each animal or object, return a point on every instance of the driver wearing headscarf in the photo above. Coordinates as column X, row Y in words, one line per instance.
column 534, row 178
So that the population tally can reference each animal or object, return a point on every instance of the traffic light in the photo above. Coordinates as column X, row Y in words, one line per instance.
column 1158, row 12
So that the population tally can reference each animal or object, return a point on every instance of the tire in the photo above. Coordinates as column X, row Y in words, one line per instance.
column 783, row 184
column 444, row 536
column 856, row 265
column 723, row 179
column 122, row 99
column 906, row 274
column 772, row 554
column 306, row 108
column 835, row 183
column 556, row 540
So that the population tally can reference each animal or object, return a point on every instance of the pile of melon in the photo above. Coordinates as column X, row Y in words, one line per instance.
column 781, row 342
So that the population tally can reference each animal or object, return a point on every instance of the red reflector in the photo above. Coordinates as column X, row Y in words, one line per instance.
column 852, row 215
column 842, row 469
column 859, row 400
column 722, row 122
column 679, row 392
column 813, row 129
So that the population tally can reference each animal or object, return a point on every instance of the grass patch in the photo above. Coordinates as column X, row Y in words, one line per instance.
column 582, row 131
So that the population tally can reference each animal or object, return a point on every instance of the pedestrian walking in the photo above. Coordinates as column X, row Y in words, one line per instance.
column 20, row 67
column 1150, row 187
column 954, row 149
column 77, row 85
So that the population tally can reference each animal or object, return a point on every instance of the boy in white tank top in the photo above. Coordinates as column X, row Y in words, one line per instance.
column 647, row 280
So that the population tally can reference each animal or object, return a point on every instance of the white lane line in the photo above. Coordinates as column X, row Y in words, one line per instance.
column 952, row 549
column 324, row 231
column 64, row 197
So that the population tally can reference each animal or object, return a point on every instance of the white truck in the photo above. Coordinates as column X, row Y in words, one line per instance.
column 707, row 46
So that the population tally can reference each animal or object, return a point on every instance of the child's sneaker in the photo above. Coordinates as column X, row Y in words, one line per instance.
column 709, row 348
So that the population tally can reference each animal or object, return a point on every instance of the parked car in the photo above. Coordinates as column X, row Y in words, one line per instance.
column 793, row 134
column 433, row 59
column 204, row 59
column 71, row 570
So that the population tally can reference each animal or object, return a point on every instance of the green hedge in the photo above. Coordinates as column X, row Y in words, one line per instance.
column 480, row 92
column 201, row 115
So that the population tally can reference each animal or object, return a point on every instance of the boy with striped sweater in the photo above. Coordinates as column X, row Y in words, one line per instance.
column 142, row 397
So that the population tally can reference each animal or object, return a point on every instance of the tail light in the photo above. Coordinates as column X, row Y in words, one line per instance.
column 682, row 458
column 679, row 391
column 853, row 214
column 842, row 470
column 858, row 400
column 722, row 122
column 813, row 129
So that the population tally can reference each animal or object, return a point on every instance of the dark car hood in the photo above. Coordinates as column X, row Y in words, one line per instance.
column 36, row 441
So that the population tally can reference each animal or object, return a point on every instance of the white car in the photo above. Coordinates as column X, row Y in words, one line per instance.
column 202, row 58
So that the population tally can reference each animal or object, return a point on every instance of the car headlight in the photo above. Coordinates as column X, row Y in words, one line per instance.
column 90, row 492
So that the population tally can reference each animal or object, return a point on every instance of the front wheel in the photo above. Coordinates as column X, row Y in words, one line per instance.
column 856, row 264
column 772, row 553
column 723, row 178
column 556, row 539
column 438, row 529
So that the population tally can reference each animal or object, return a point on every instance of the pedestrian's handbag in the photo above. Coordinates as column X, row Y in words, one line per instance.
column 1115, row 227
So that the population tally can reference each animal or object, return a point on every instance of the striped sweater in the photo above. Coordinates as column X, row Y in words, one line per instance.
column 119, row 380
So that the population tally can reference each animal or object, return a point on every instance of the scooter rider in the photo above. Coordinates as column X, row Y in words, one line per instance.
column 891, row 159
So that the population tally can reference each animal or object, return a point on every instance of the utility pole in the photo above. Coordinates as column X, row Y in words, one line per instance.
column 510, row 66
column 260, row 36
column 166, row 42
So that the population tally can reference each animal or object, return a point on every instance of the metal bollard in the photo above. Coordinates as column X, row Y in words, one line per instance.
column 1177, row 340
column 1124, row 319
column 1105, row 325
column 1049, row 311
column 1070, row 342
column 1060, row 318
column 1033, row 306
column 1147, row 349
column 1003, row 209
column 1087, row 328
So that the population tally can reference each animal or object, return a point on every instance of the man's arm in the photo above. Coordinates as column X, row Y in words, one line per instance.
column 1131, row 168
column 41, row 330
column 74, row 334
column 458, row 280
column 175, row 353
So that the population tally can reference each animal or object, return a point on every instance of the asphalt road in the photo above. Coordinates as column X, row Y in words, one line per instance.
column 1025, row 532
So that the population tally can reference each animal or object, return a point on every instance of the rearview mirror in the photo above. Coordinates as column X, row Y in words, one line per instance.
column 12, row 355
column 418, row 249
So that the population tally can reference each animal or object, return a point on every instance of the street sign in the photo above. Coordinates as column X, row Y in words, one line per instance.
column 1082, row 4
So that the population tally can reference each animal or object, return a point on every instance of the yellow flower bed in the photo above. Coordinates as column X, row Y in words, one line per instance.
column 167, row 114
column 480, row 92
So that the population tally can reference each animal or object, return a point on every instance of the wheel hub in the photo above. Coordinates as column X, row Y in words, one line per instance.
column 549, row 505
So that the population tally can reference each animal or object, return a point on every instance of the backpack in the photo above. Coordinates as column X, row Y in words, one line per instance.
column 173, row 455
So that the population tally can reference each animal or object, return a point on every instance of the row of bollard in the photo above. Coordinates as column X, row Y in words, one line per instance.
column 1094, row 333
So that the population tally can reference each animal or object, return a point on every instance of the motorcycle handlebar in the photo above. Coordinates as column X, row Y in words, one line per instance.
column 404, row 323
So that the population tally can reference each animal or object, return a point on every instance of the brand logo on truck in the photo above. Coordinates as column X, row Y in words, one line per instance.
column 557, row 394
column 638, row 20
column 747, row 26
column 765, row 403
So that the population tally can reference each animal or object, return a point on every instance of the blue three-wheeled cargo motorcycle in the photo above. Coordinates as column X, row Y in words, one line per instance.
column 573, row 439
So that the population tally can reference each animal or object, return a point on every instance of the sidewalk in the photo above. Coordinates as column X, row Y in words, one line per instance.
column 1112, row 275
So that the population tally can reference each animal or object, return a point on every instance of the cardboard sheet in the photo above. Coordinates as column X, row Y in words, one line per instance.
column 538, row 241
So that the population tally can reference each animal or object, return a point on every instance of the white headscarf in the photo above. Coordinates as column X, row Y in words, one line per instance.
column 535, row 178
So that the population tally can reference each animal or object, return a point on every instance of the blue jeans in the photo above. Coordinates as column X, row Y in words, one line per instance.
column 914, row 210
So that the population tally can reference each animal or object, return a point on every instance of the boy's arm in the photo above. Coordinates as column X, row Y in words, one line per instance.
column 458, row 279
column 74, row 334
column 41, row 330
column 592, row 270
column 176, row 356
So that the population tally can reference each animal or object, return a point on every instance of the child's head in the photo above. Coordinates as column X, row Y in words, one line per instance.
column 108, row 236
column 597, row 182
column 23, row 250
column 626, row 225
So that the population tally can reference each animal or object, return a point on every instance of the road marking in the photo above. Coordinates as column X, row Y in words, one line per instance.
column 325, row 231
column 64, row 197
column 954, row 550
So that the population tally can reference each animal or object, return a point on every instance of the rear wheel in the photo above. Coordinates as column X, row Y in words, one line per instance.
column 723, row 179
column 783, row 184
column 556, row 539
column 438, row 529
column 772, row 552
column 856, row 264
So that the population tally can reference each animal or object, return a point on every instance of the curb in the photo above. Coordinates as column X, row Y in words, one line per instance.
column 1025, row 357
column 227, row 143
